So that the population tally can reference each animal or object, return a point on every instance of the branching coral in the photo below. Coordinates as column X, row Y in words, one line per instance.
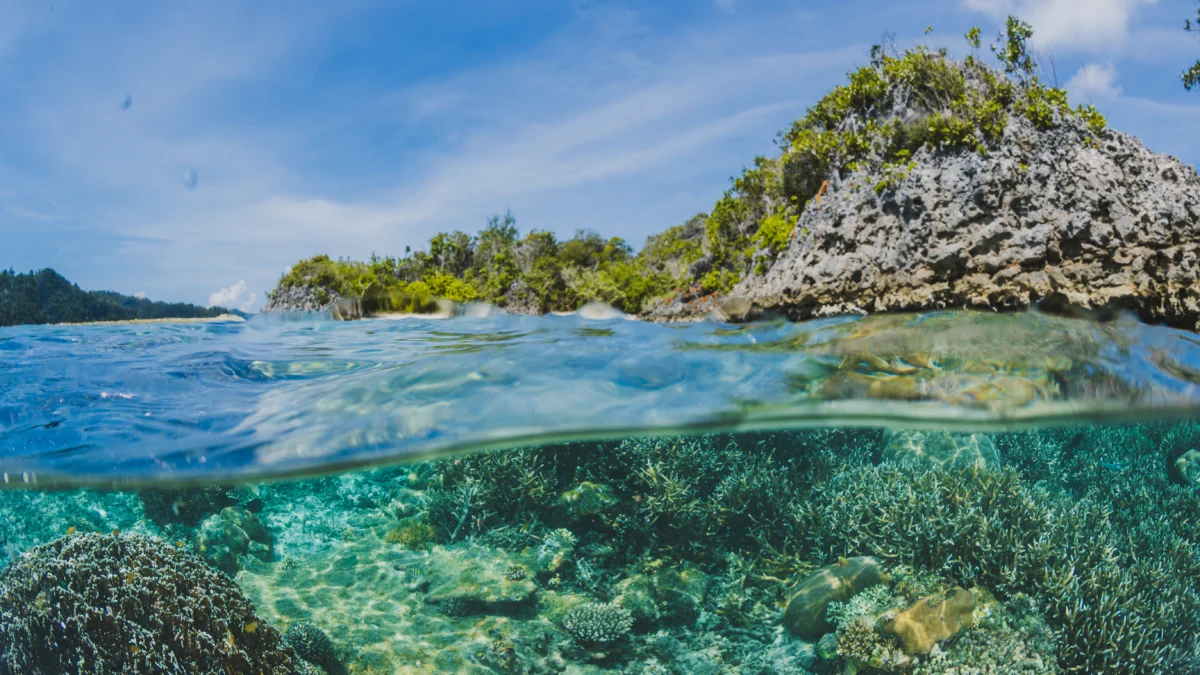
column 596, row 624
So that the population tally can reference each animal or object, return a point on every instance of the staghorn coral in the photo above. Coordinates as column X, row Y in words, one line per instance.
column 1114, row 574
column 94, row 604
column 839, row 582
column 595, row 623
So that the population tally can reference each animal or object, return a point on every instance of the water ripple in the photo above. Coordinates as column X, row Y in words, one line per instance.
column 131, row 404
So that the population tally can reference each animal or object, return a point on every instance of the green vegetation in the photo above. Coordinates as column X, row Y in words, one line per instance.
column 890, row 110
column 1191, row 76
column 536, row 272
column 46, row 297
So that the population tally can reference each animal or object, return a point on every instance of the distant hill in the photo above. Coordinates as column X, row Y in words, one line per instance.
column 47, row 297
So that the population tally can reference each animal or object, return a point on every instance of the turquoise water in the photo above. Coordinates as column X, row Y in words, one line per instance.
column 941, row 493
column 276, row 396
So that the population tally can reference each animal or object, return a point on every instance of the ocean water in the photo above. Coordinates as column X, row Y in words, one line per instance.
column 950, row 492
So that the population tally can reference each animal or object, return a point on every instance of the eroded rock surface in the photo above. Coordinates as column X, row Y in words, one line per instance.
column 1048, row 217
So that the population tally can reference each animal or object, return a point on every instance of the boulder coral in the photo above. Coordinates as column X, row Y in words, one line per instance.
column 97, row 604
column 223, row 539
column 927, row 623
column 805, row 612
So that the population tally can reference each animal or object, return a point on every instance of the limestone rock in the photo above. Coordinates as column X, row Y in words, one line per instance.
column 805, row 613
column 926, row 623
column 941, row 448
column 301, row 299
column 1047, row 217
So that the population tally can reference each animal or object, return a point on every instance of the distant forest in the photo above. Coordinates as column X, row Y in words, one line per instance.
column 46, row 297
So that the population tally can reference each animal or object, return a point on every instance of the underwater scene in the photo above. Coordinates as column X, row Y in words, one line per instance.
column 949, row 492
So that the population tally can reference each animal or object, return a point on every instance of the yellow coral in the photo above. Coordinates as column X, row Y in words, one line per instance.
column 924, row 624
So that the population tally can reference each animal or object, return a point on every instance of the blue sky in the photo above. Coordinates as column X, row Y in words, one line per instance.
column 193, row 150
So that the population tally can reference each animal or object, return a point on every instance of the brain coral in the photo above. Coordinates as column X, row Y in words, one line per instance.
column 311, row 643
column 99, row 604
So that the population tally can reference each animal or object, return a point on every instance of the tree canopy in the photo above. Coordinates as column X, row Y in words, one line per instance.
column 46, row 297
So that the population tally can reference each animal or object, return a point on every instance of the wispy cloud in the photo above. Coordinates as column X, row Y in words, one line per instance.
column 322, row 129
column 1097, row 26
column 1094, row 81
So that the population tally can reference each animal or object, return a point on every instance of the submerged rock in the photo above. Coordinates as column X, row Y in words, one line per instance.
column 1188, row 467
column 941, row 448
column 477, row 580
column 224, row 538
column 805, row 612
column 670, row 596
column 926, row 623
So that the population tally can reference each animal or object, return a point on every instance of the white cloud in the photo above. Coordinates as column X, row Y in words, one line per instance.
column 727, row 5
column 141, row 295
column 1094, row 81
column 237, row 296
column 1100, row 26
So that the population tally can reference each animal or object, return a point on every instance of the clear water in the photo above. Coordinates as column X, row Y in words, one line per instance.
column 490, row 493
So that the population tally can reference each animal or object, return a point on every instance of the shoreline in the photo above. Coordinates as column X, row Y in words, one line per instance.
column 223, row 318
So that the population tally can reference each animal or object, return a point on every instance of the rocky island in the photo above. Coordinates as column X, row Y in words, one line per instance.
column 923, row 183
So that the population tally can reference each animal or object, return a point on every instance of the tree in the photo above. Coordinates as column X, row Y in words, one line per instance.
column 1013, row 49
column 1191, row 76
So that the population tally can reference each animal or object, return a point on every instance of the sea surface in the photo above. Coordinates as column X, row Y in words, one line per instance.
column 949, row 492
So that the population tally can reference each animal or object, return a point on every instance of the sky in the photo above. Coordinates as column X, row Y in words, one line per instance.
column 193, row 150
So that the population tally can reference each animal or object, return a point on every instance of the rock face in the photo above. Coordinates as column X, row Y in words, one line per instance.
column 301, row 299
column 1048, row 217
column 927, row 622
column 805, row 613
column 941, row 448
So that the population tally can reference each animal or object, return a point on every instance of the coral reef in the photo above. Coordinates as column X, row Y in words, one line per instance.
column 1080, row 553
column 805, row 612
column 927, row 622
column 98, row 604
column 311, row 644
column 595, row 623
column 223, row 539
column 185, row 505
